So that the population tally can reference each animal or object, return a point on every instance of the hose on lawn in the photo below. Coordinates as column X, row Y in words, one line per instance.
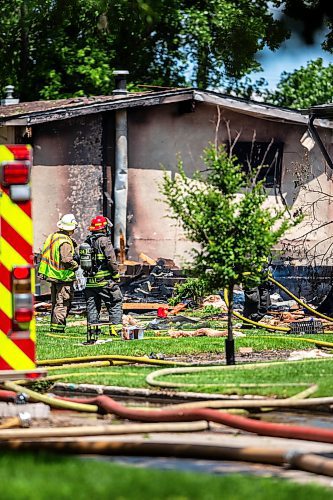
column 111, row 358
column 299, row 301
column 307, row 433
column 104, row 404
column 53, row 402
column 209, row 404
column 101, row 430
column 318, row 343
column 272, row 327
column 151, row 377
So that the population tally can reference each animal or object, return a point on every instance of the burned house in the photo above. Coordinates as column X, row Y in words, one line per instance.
column 108, row 154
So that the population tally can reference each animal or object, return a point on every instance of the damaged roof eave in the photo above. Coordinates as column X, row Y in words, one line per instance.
column 252, row 108
column 123, row 102
column 99, row 104
column 324, row 111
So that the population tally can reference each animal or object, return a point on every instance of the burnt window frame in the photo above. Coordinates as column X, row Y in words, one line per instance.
column 272, row 148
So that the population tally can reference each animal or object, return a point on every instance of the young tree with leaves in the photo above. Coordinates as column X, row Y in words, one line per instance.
column 223, row 212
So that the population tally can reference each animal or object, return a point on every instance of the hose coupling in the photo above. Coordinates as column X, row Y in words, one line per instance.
column 291, row 456
column 21, row 398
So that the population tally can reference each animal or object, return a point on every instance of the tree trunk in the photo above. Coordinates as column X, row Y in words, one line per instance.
column 24, row 48
column 229, row 342
column 202, row 71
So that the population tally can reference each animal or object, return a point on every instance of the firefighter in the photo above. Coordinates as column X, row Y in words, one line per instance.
column 258, row 299
column 102, row 281
column 58, row 266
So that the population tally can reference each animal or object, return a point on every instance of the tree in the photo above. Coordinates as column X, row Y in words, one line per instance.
column 307, row 86
column 55, row 48
column 223, row 212
column 311, row 16
column 223, row 37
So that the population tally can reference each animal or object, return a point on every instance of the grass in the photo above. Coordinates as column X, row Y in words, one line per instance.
column 46, row 476
column 310, row 371
column 70, row 344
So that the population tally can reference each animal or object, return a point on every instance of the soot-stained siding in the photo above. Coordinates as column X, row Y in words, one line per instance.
column 77, row 141
column 68, row 173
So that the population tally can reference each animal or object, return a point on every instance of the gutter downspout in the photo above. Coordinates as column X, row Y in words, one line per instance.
column 318, row 140
column 121, row 163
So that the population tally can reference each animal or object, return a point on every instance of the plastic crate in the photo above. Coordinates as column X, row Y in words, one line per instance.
column 311, row 326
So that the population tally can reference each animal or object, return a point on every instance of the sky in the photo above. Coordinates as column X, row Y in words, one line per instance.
column 291, row 55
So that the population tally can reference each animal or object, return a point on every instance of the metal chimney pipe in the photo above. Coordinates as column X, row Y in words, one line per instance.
column 9, row 99
column 121, row 163
column 120, row 80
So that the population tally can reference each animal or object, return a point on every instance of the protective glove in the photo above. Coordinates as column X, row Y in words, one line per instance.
column 116, row 278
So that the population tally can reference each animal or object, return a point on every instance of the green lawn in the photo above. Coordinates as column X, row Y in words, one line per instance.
column 309, row 371
column 45, row 476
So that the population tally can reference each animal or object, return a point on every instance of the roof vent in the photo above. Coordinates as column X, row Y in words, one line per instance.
column 120, row 79
column 9, row 99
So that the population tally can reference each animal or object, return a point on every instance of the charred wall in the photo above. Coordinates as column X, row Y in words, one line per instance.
column 67, row 174
column 159, row 136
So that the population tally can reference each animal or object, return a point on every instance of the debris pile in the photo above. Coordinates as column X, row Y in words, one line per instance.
column 203, row 332
column 148, row 281
column 151, row 283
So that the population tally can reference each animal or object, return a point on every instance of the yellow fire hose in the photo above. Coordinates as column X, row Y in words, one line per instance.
column 306, row 306
column 151, row 377
column 83, row 365
column 60, row 376
column 103, row 430
column 311, row 389
column 280, row 328
column 320, row 343
column 53, row 402
column 110, row 358
column 250, row 321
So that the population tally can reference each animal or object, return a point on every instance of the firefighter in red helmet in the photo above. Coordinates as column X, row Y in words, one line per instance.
column 102, row 282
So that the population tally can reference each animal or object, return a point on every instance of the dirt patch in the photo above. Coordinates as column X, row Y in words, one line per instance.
column 246, row 357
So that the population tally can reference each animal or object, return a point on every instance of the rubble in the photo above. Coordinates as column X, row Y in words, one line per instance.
column 153, row 283
column 216, row 301
column 313, row 353
column 202, row 332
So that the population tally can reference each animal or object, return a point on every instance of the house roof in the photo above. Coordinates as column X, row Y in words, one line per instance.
column 31, row 113
column 321, row 111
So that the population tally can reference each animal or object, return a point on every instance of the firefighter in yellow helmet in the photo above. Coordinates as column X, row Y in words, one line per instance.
column 58, row 267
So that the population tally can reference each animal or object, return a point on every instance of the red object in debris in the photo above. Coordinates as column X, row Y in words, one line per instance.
column 162, row 312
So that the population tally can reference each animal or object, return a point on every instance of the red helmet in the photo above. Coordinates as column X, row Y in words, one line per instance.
column 98, row 223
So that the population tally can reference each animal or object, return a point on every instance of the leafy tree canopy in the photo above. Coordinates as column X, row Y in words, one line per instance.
column 307, row 86
column 59, row 48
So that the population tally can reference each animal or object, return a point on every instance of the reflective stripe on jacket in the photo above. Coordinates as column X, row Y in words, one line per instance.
column 50, row 265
